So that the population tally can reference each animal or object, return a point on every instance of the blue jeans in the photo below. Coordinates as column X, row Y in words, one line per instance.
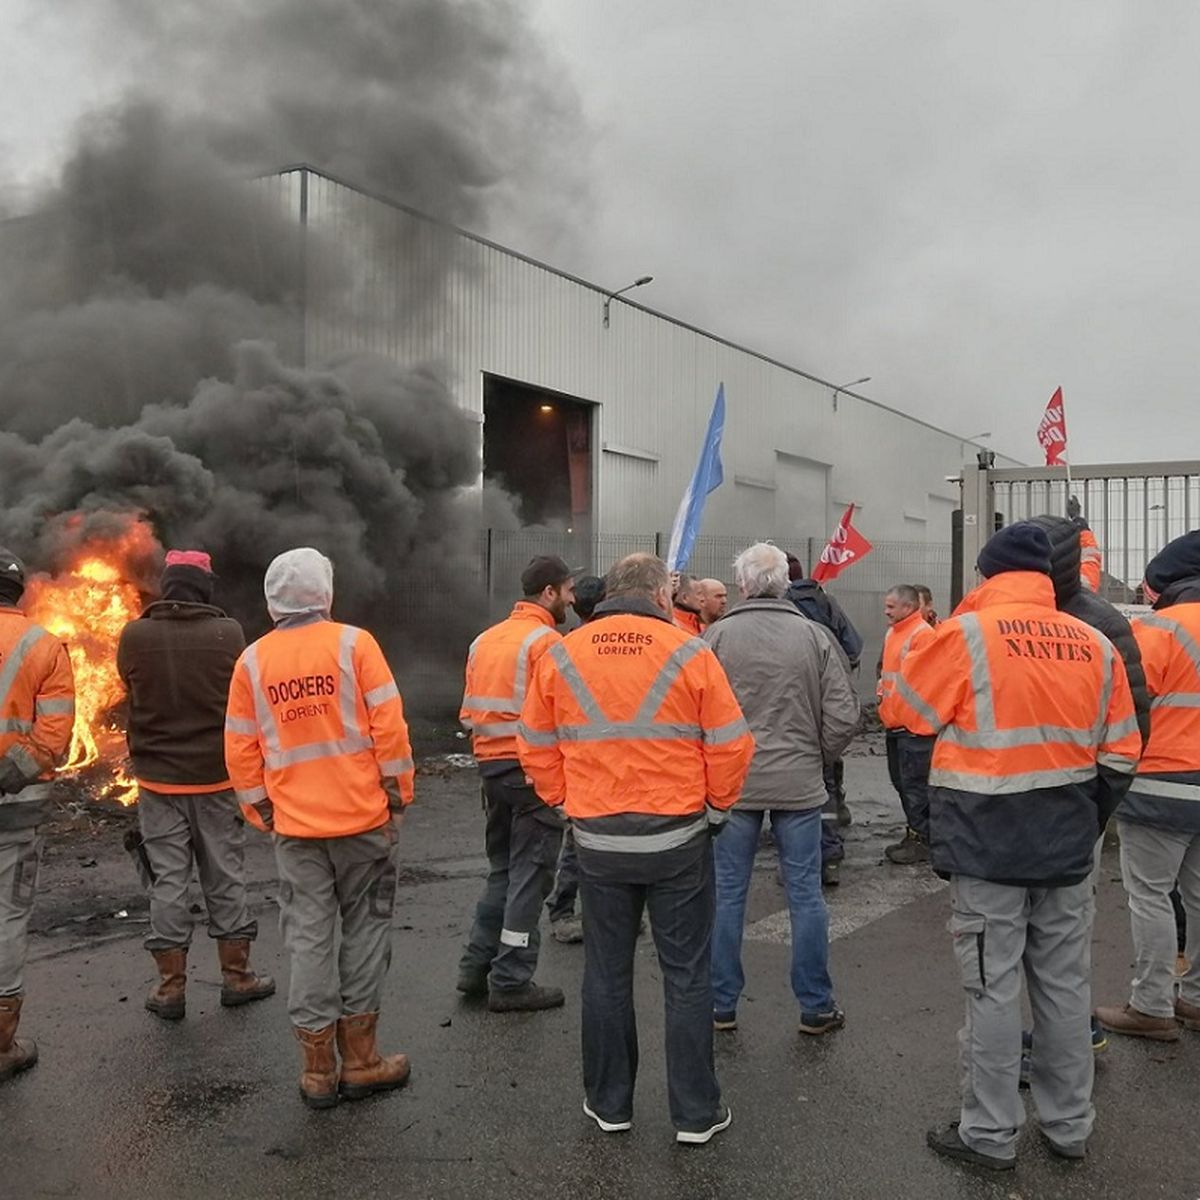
column 798, row 838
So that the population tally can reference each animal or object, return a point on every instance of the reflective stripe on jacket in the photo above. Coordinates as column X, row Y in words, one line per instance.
column 903, row 637
column 1166, row 791
column 499, row 665
column 632, row 724
column 315, row 737
column 1036, row 734
column 1090, row 561
column 37, row 712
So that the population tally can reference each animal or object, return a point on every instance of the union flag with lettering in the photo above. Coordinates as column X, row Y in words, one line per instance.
column 1052, row 432
column 845, row 548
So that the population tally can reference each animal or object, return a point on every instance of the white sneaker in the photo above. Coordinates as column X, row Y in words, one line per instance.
column 607, row 1126
column 698, row 1139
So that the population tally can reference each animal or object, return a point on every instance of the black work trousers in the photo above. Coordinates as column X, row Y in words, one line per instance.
column 522, row 838
column 677, row 888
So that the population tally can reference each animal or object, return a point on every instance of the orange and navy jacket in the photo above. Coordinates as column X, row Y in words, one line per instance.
column 904, row 636
column 1090, row 561
column 1036, row 736
column 687, row 620
column 500, row 662
column 315, row 737
column 631, row 724
column 37, row 713
column 1166, row 791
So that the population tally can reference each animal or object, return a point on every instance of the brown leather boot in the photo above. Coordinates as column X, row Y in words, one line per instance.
column 1188, row 1015
column 166, row 998
column 16, row 1054
column 240, row 985
column 319, row 1076
column 364, row 1070
column 1135, row 1023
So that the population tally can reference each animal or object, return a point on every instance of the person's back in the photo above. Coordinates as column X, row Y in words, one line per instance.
column 818, row 605
column 176, row 661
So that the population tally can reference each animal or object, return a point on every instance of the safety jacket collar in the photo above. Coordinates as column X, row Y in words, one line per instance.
column 526, row 610
column 1009, row 587
column 633, row 606
column 903, row 628
column 1182, row 591
column 296, row 620
column 181, row 610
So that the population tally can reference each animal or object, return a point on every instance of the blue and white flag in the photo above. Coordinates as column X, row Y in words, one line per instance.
column 707, row 477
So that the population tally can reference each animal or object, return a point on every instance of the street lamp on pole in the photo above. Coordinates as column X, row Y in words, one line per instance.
column 845, row 386
column 608, row 299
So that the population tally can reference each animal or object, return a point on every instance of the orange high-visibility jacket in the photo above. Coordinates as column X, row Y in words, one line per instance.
column 37, row 712
column 1166, row 792
column 315, row 737
column 1037, row 738
column 688, row 621
column 499, row 664
column 901, row 638
column 1090, row 560
column 632, row 725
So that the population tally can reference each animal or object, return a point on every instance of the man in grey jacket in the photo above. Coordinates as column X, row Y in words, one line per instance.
column 797, row 698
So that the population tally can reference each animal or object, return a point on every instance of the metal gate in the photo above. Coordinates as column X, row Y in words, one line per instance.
column 1134, row 509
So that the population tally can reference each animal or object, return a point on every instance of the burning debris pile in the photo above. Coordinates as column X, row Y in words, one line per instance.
column 149, row 393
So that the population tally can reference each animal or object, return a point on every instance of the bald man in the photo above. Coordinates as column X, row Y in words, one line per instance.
column 714, row 597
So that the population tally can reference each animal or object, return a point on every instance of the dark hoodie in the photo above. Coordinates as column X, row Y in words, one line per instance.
column 818, row 605
column 1072, row 597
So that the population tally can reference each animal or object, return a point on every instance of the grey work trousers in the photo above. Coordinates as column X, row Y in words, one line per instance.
column 20, row 854
column 523, row 838
column 322, row 880
column 1152, row 860
column 998, row 929
column 205, row 829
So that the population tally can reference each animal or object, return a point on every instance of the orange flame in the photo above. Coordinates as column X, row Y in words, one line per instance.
column 87, row 605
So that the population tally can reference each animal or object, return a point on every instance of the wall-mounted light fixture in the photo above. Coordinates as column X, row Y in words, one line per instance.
column 843, row 387
column 621, row 291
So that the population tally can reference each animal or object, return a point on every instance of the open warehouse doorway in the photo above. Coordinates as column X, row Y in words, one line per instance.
column 537, row 446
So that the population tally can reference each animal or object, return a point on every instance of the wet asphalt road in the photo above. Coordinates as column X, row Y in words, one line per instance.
column 123, row 1105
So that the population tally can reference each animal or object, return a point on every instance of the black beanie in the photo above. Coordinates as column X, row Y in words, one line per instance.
column 1019, row 547
column 186, row 584
column 1175, row 562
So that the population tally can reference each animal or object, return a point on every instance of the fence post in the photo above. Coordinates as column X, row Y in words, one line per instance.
column 657, row 544
column 978, row 507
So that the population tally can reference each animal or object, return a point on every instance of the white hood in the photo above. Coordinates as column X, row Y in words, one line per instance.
column 299, row 581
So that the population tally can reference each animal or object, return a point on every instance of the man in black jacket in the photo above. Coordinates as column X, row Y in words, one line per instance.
column 176, row 661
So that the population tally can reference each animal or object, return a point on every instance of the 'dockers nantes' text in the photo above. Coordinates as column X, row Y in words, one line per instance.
column 1046, row 640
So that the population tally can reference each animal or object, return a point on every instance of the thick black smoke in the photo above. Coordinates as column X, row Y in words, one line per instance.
column 151, row 308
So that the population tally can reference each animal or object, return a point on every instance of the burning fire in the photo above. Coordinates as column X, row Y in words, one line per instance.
column 87, row 604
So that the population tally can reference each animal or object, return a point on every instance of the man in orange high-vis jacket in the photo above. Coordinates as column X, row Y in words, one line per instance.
column 908, row 629
column 1091, row 560
column 685, row 610
column 1159, row 821
column 522, row 837
column 37, row 696
column 1036, row 740
column 631, row 726
column 318, row 751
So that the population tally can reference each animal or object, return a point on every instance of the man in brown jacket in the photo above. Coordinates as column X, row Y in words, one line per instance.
column 176, row 661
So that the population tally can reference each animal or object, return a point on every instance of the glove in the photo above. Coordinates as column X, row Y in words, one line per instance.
column 1073, row 509
column 12, row 778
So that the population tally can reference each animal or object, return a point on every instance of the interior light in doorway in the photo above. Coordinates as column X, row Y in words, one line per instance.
column 545, row 408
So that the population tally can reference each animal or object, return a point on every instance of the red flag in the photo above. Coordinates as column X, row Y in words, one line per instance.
column 1052, row 432
column 845, row 548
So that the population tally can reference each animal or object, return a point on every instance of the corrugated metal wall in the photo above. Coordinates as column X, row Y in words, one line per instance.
column 386, row 279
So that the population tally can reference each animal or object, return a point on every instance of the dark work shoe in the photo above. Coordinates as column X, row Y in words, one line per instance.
column 724, row 1022
column 829, row 874
column 909, row 851
column 945, row 1140
column 1074, row 1152
column 472, row 981
column 698, row 1137
column 817, row 1023
column 527, row 998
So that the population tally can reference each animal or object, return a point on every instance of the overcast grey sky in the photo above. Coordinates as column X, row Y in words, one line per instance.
column 972, row 204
